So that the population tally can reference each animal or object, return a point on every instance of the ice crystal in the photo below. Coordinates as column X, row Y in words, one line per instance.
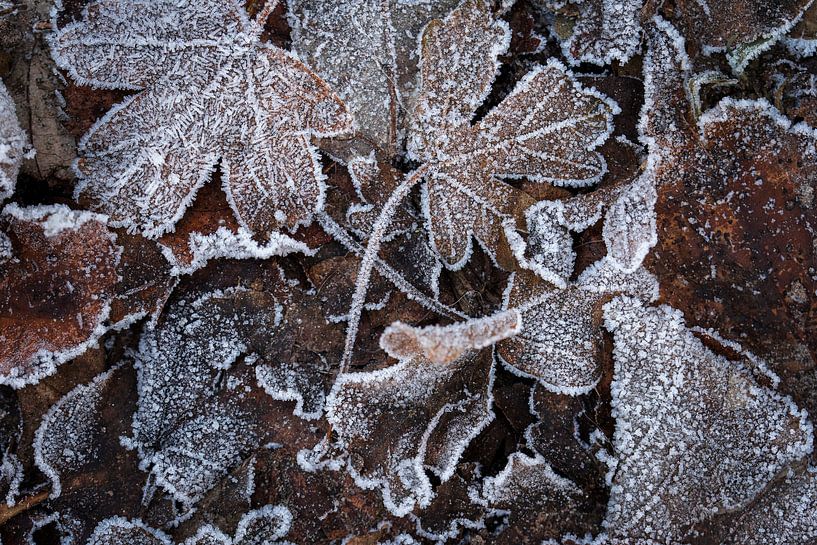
column 56, row 291
column 561, row 329
column 695, row 434
column 396, row 422
column 209, row 91
column 367, row 51
column 545, row 130
column 12, row 144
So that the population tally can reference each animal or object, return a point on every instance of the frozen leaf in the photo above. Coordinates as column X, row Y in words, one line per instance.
column 545, row 130
column 735, row 211
column 184, row 433
column 56, row 292
column 446, row 344
column 11, row 427
column 603, row 31
column 785, row 514
column 394, row 423
column 209, row 91
column 540, row 504
column 367, row 51
column 118, row 530
column 67, row 437
column 12, row 144
column 561, row 330
column 695, row 434
column 301, row 382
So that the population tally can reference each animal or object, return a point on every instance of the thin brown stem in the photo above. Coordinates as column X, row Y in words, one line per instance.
column 7, row 513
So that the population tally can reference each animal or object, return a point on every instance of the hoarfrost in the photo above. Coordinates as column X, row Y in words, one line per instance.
column 545, row 130
column 12, row 144
column 561, row 330
column 393, row 424
column 695, row 434
column 210, row 90
column 367, row 51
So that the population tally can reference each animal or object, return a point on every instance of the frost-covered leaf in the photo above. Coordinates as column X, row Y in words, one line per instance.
column 210, row 91
column 561, row 328
column 56, row 292
column 540, row 504
column 601, row 31
column 735, row 210
column 545, row 130
column 11, row 427
column 393, row 424
column 118, row 530
column 695, row 434
column 784, row 514
column 67, row 437
column 12, row 144
column 367, row 51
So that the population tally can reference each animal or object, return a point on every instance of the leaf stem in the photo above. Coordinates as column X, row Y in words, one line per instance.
column 7, row 513
column 369, row 258
column 267, row 9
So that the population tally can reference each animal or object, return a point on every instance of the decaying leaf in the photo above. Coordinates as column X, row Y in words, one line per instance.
column 561, row 328
column 367, row 51
column 56, row 291
column 265, row 526
column 12, row 144
column 695, row 434
column 210, row 91
column 545, row 130
column 395, row 423
column 540, row 503
column 735, row 210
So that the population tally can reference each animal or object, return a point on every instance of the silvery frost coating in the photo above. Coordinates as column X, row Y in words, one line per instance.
column 367, row 51
column 12, row 144
column 695, row 433
column 264, row 526
column 544, row 130
column 604, row 31
column 210, row 92
column 430, row 408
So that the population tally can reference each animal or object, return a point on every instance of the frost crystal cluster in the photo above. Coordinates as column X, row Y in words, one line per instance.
column 408, row 272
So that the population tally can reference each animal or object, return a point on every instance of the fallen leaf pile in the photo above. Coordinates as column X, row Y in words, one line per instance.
column 408, row 272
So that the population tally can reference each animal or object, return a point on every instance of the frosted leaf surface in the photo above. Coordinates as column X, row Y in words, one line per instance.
column 210, row 91
column 537, row 501
column 604, row 31
column 445, row 344
column 695, row 434
column 118, row 530
column 393, row 424
column 12, row 144
column 66, row 438
column 56, row 291
column 301, row 382
column 784, row 514
column 186, row 435
column 367, row 51
column 545, row 130
column 561, row 329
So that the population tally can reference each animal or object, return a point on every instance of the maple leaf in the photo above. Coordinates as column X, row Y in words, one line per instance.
column 561, row 328
column 367, row 51
column 545, row 130
column 12, row 144
column 56, row 292
column 695, row 434
column 393, row 423
column 210, row 91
